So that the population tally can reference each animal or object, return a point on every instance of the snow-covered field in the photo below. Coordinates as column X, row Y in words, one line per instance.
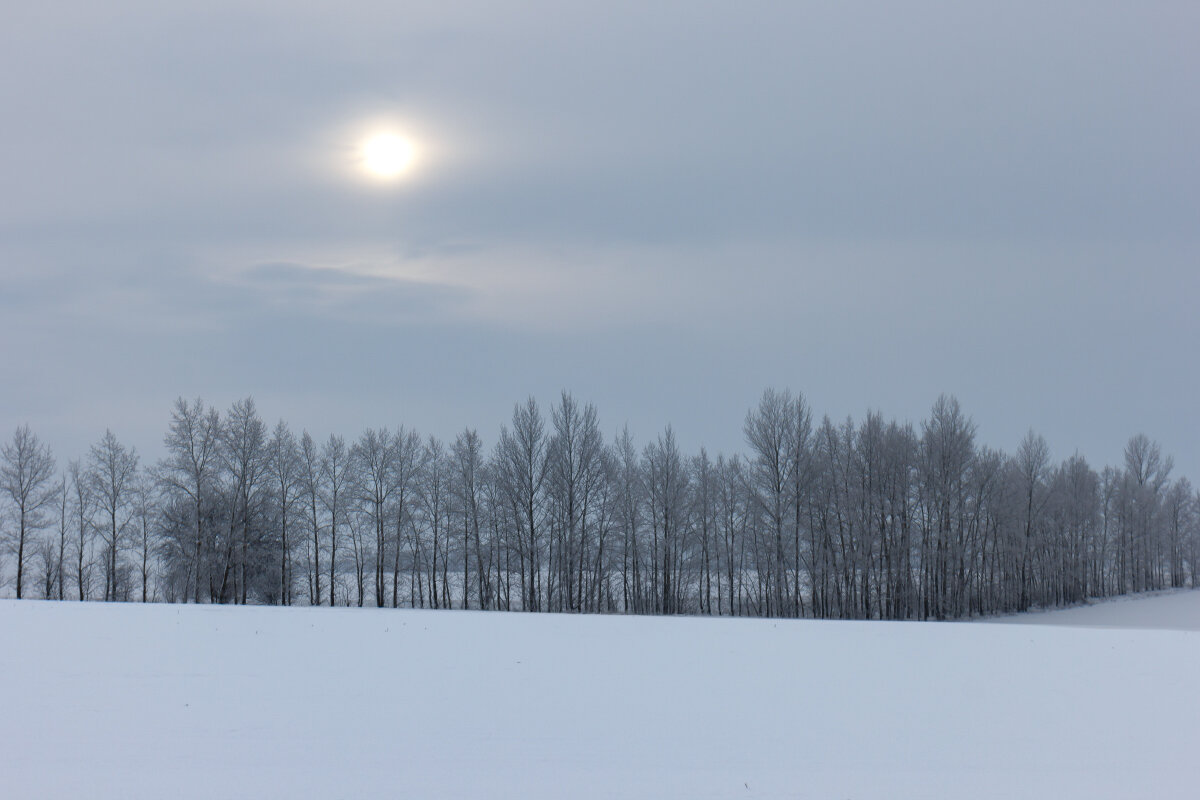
column 1168, row 611
column 128, row 701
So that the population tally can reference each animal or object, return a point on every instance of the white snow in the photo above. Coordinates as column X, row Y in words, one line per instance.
column 129, row 701
column 1177, row 610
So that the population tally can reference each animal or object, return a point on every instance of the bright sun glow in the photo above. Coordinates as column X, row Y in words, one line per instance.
column 387, row 156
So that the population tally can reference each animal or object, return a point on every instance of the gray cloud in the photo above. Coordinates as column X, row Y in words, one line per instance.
column 663, row 206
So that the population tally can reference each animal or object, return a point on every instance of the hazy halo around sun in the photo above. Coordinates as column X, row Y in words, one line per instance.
column 386, row 156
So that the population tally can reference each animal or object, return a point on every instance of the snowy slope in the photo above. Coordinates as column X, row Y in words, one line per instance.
column 116, row 701
column 1172, row 611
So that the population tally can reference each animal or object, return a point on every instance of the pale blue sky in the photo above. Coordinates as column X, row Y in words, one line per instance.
column 663, row 207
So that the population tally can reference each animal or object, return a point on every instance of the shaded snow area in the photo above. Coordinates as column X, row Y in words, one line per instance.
column 1170, row 611
column 128, row 701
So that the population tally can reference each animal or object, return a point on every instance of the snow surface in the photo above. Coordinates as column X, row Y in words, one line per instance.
column 130, row 701
column 1177, row 610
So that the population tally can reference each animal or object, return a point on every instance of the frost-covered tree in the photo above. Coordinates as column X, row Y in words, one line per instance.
column 466, row 455
column 144, row 536
column 667, row 487
column 946, row 453
column 64, row 535
column 81, row 507
column 769, row 431
column 1031, row 467
column 112, row 478
column 188, row 474
column 574, row 474
column 374, row 458
column 629, row 501
column 336, row 477
column 521, row 467
column 435, row 511
column 852, row 519
column 310, row 492
column 409, row 461
column 27, row 484
column 284, row 470
column 244, row 460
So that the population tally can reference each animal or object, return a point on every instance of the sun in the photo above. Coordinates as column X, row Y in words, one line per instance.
column 387, row 156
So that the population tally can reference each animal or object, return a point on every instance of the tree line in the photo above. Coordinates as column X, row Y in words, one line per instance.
column 868, row 519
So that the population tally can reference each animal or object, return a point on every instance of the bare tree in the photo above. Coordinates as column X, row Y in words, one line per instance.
column 435, row 491
column 1180, row 522
column 769, row 432
column 335, row 478
column 522, row 466
column 704, row 510
column 283, row 465
column 26, row 480
column 112, row 475
column 374, row 456
column 81, row 526
column 145, row 510
column 629, row 495
column 734, row 510
column 1147, row 476
column 189, row 471
column 358, row 549
column 409, row 461
column 244, row 457
column 947, row 449
column 1032, row 464
column 849, row 519
column 46, row 559
column 310, row 490
column 574, row 471
column 467, row 456
column 1078, row 516
column 667, row 484
column 64, row 526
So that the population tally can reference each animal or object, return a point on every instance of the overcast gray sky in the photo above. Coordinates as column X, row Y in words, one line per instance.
column 662, row 207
